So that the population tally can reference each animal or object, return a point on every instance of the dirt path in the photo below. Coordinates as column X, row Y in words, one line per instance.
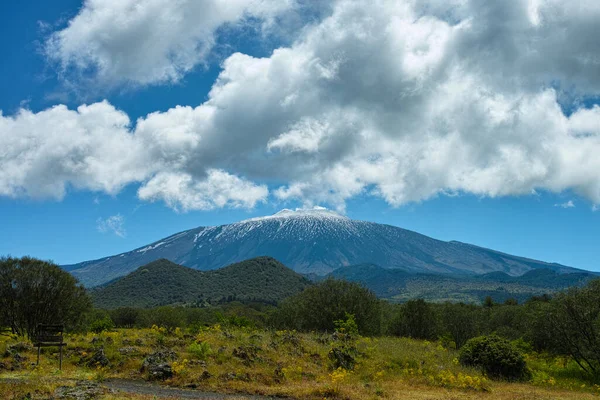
column 142, row 388
column 145, row 388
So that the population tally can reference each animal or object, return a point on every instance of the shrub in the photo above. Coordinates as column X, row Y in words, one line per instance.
column 347, row 326
column 125, row 317
column 200, row 350
column 101, row 324
column 36, row 292
column 317, row 307
column 497, row 357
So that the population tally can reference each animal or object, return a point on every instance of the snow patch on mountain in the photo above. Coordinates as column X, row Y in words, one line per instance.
column 315, row 212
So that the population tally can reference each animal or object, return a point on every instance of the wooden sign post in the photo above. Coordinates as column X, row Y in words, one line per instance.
column 50, row 336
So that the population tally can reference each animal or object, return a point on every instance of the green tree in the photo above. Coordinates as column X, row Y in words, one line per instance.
column 36, row 292
column 319, row 306
column 460, row 321
column 416, row 319
column 575, row 322
column 167, row 317
column 125, row 317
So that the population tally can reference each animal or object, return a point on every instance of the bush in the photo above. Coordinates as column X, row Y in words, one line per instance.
column 36, row 292
column 319, row 306
column 200, row 350
column 101, row 324
column 497, row 357
column 125, row 317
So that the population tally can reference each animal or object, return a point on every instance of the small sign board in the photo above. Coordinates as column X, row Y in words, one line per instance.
column 49, row 336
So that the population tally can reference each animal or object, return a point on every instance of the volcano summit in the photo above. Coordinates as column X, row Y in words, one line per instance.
column 314, row 241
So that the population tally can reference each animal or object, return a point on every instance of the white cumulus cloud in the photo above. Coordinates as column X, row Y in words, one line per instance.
column 148, row 42
column 404, row 100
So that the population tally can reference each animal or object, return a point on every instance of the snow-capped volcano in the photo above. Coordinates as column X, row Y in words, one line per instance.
column 315, row 240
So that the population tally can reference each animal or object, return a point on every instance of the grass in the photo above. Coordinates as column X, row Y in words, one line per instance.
column 285, row 363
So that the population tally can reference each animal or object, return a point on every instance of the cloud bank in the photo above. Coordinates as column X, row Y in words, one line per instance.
column 404, row 100
column 149, row 42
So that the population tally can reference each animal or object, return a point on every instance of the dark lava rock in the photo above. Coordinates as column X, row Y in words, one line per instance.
column 341, row 358
column 18, row 348
column 81, row 391
column 159, row 372
column 278, row 373
column 248, row 354
column 98, row 359
column 128, row 350
column 157, row 366
column 205, row 375
column 18, row 358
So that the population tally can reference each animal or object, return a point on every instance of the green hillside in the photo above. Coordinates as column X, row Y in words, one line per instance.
column 163, row 282
column 399, row 286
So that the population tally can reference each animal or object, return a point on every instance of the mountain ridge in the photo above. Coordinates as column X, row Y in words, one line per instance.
column 163, row 282
column 311, row 241
column 399, row 286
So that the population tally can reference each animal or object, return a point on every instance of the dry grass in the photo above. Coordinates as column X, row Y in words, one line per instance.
column 282, row 364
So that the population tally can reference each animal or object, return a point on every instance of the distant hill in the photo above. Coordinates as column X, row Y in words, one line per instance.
column 163, row 282
column 400, row 286
column 314, row 241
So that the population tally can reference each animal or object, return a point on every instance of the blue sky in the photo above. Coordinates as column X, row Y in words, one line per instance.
column 499, row 154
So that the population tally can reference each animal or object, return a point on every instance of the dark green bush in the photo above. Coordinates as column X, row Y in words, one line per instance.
column 101, row 324
column 497, row 357
column 319, row 306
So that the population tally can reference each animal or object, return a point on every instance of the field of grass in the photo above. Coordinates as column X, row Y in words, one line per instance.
column 279, row 363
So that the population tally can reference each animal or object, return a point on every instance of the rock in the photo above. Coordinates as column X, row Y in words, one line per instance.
column 157, row 366
column 278, row 373
column 18, row 358
column 81, row 391
column 248, row 354
column 205, row 375
column 199, row 363
column 159, row 372
column 340, row 358
column 290, row 338
column 128, row 350
column 229, row 376
column 19, row 348
column 228, row 335
column 98, row 359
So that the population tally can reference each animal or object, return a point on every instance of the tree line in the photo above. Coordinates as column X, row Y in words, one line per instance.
column 34, row 291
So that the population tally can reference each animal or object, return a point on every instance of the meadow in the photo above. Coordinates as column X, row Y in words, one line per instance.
column 242, row 360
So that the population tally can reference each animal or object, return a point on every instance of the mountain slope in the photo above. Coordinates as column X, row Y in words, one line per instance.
column 400, row 286
column 311, row 241
column 162, row 282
